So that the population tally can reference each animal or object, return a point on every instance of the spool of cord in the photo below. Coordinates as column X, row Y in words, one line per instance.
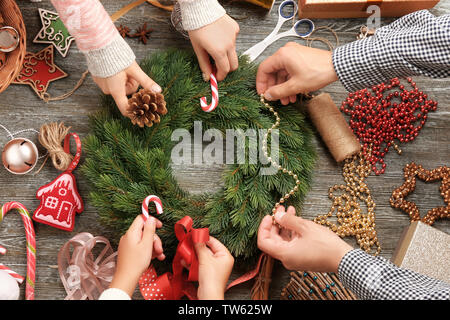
column 333, row 127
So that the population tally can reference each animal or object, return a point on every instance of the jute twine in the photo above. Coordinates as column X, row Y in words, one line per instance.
column 51, row 136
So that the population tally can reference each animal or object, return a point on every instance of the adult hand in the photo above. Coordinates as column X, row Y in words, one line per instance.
column 215, row 265
column 217, row 40
column 294, row 69
column 125, row 83
column 137, row 248
column 301, row 244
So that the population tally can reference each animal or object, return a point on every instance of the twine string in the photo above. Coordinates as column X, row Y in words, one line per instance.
column 310, row 39
column 51, row 137
column 47, row 97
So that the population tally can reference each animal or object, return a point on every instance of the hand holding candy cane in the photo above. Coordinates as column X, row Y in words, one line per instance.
column 156, row 200
column 216, row 40
column 137, row 247
column 214, row 96
column 157, row 244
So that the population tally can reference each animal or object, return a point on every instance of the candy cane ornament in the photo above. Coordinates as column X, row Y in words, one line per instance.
column 31, row 244
column 12, row 273
column 214, row 96
column 156, row 200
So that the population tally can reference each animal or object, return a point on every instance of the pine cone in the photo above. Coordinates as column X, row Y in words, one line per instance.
column 145, row 108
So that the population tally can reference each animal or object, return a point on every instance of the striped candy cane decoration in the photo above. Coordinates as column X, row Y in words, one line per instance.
column 214, row 96
column 12, row 273
column 156, row 201
column 31, row 244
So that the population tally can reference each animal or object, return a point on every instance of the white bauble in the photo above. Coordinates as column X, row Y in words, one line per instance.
column 9, row 288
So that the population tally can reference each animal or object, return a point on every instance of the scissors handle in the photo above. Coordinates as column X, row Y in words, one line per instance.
column 294, row 31
column 307, row 22
column 290, row 15
column 257, row 49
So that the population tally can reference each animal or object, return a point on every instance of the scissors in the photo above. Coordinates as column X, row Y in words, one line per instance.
column 258, row 48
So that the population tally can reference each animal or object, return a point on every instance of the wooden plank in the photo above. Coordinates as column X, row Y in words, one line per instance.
column 20, row 108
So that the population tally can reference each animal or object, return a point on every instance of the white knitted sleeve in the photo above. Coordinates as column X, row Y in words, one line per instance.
column 199, row 13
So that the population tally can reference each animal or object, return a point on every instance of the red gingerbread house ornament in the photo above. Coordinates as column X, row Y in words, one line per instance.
column 60, row 200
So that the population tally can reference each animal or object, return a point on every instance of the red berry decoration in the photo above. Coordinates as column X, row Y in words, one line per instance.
column 385, row 113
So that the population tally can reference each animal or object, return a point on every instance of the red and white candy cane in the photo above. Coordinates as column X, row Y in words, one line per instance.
column 31, row 243
column 214, row 96
column 12, row 273
column 156, row 200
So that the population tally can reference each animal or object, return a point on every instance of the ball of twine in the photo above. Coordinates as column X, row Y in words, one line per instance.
column 51, row 136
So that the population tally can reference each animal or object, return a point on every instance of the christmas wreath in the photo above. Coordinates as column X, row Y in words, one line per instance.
column 125, row 162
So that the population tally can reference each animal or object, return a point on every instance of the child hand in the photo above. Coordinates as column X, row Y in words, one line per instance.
column 301, row 244
column 215, row 265
column 125, row 83
column 137, row 247
column 217, row 40
column 294, row 69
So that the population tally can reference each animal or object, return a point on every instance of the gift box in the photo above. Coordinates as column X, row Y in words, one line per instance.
column 424, row 249
column 357, row 8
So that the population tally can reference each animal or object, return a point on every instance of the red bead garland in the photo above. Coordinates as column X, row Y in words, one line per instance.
column 385, row 113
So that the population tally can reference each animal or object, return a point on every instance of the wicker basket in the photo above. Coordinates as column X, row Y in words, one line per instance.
column 14, row 60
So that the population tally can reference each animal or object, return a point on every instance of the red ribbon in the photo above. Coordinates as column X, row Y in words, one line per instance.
column 76, row 158
column 174, row 286
column 248, row 275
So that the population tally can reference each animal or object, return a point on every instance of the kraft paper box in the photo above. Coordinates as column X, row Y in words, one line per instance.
column 357, row 8
column 425, row 250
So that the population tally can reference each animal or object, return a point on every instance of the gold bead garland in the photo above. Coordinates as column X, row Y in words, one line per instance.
column 352, row 221
column 273, row 163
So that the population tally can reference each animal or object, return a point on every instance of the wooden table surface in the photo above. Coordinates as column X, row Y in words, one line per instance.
column 20, row 108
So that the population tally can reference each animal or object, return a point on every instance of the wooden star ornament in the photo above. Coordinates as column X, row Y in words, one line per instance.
column 39, row 70
column 54, row 32
column 413, row 171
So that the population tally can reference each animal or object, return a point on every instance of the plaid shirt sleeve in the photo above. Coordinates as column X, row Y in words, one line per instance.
column 376, row 278
column 416, row 44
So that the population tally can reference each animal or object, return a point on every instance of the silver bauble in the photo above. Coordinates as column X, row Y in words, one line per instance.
column 20, row 156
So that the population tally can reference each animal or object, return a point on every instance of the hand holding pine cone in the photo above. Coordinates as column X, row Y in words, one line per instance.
column 145, row 108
